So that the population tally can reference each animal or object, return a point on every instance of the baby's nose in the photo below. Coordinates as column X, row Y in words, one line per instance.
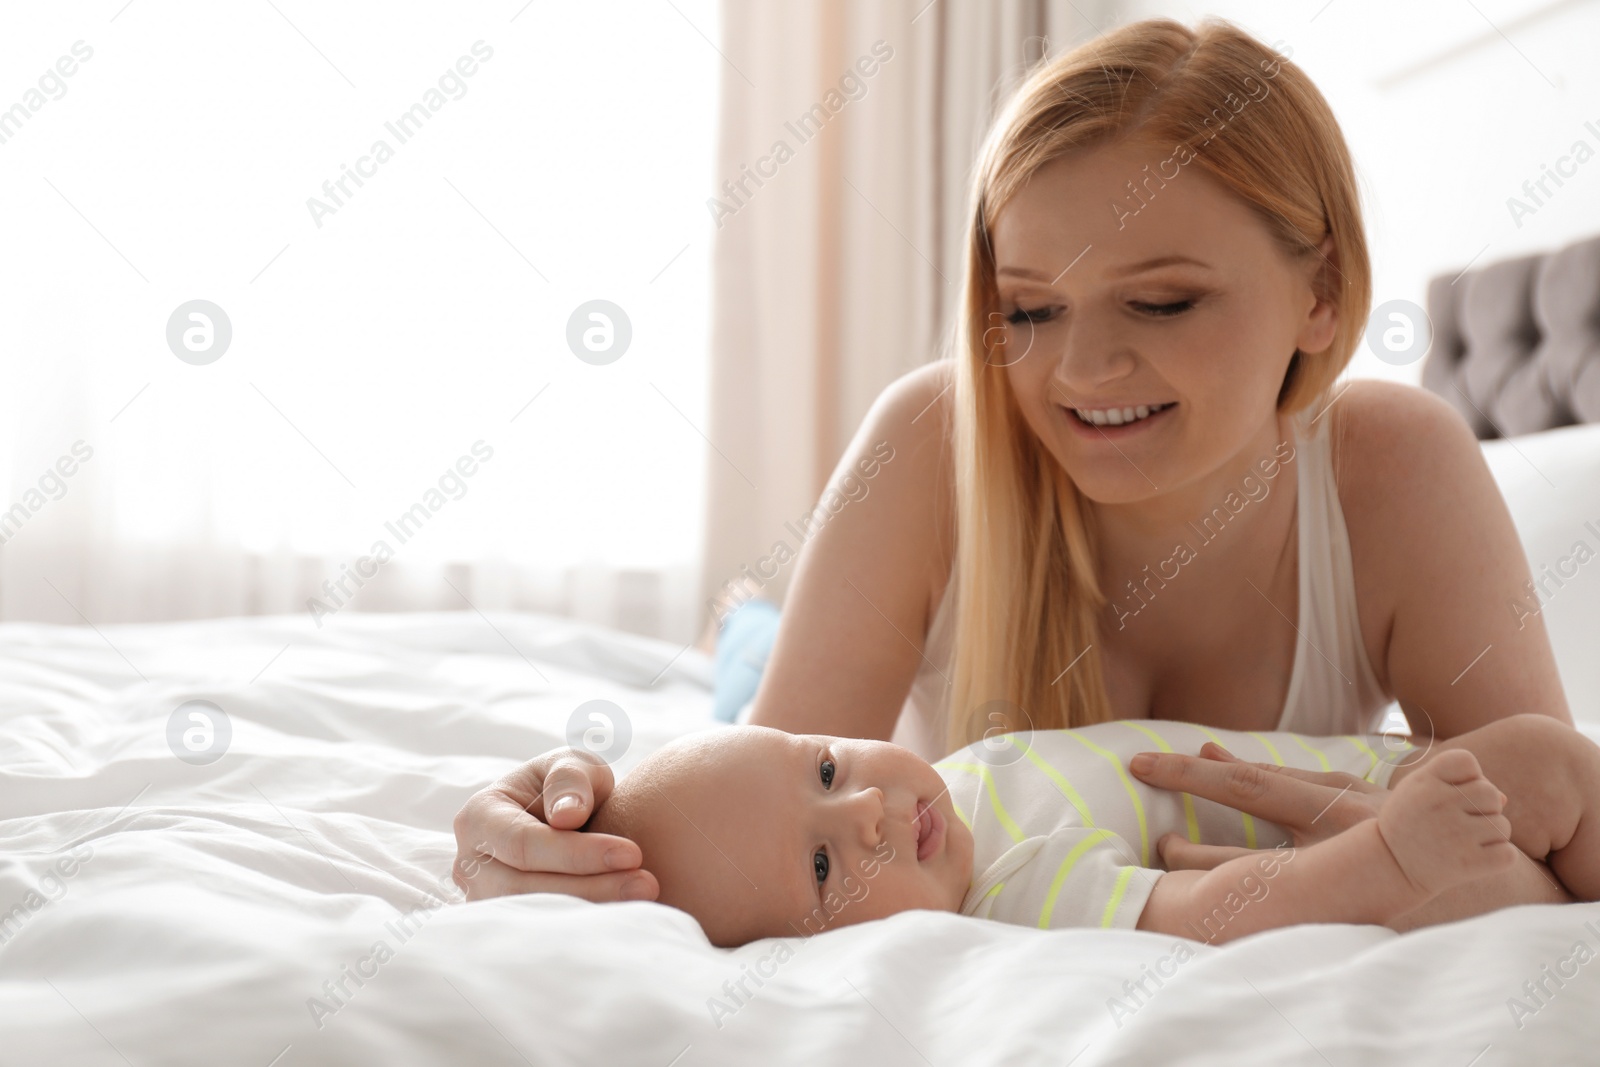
column 869, row 814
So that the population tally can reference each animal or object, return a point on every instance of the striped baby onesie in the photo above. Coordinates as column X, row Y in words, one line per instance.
column 1065, row 835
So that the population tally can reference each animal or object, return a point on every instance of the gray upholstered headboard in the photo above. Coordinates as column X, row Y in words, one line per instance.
column 1516, row 344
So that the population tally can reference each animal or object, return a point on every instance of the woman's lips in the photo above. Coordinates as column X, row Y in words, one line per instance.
column 930, row 831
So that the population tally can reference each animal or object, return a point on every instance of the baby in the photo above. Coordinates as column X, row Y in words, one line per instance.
column 759, row 833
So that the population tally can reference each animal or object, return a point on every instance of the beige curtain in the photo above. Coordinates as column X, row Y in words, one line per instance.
column 848, row 132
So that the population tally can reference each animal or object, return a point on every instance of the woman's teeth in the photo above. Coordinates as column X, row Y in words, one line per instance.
column 1117, row 416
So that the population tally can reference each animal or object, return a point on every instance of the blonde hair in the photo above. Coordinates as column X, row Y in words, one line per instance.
column 1028, row 603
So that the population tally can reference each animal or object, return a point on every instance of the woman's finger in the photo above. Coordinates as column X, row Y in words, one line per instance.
column 1338, row 779
column 1290, row 801
column 490, row 878
column 555, row 776
column 568, row 796
column 495, row 824
column 1335, row 779
column 1178, row 853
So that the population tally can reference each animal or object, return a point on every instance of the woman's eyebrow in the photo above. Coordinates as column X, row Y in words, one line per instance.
column 1115, row 272
column 1024, row 272
column 1152, row 264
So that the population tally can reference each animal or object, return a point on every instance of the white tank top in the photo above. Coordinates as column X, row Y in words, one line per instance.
column 1332, row 689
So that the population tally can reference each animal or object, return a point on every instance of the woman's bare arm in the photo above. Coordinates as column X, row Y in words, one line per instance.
column 1429, row 527
column 857, row 609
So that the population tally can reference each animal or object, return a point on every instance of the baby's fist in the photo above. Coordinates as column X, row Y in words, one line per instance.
column 1445, row 824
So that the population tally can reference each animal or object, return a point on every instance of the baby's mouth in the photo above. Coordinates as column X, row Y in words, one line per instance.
column 930, row 830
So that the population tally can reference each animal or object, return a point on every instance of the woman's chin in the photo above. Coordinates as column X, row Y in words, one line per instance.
column 1112, row 487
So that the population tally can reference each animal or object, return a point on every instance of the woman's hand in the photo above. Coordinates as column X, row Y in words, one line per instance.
column 1311, row 805
column 506, row 843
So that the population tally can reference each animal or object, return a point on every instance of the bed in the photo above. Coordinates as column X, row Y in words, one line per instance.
column 269, row 884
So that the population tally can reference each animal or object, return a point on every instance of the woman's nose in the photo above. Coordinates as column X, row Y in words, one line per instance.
column 1090, row 357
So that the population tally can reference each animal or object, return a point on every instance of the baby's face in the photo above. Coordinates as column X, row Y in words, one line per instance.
column 760, row 833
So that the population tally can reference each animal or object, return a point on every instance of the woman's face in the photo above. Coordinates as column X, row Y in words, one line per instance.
column 1090, row 324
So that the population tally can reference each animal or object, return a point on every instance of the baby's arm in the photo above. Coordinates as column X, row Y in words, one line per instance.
column 1349, row 878
column 1442, row 826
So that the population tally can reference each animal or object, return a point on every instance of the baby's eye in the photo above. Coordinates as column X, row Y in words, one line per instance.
column 826, row 770
column 820, row 862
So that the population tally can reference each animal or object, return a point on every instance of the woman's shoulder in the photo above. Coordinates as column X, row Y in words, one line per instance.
column 911, row 422
column 923, row 408
column 916, row 412
column 924, row 395
column 1390, row 441
column 913, row 415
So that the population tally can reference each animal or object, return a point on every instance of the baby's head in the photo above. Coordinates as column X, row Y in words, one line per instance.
column 760, row 833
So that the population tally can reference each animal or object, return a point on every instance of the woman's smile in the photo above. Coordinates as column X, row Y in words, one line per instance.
column 1114, row 424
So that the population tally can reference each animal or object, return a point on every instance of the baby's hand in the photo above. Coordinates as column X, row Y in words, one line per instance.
column 1444, row 825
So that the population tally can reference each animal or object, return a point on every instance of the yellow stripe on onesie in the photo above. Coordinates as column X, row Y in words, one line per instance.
column 1064, row 834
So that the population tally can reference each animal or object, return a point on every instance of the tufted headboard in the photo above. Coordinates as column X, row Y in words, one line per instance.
column 1516, row 344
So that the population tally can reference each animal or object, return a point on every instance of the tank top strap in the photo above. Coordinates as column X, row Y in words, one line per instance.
column 1332, row 687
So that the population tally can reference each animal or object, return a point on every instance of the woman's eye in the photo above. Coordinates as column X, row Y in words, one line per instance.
column 820, row 861
column 1159, row 311
column 1165, row 310
column 827, row 771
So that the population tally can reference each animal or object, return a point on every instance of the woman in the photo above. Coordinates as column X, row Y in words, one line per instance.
column 1134, row 491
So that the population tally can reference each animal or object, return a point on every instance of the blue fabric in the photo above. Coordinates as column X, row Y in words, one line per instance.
column 743, row 645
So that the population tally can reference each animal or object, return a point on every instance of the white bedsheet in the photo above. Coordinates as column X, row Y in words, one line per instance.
column 213, row 902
